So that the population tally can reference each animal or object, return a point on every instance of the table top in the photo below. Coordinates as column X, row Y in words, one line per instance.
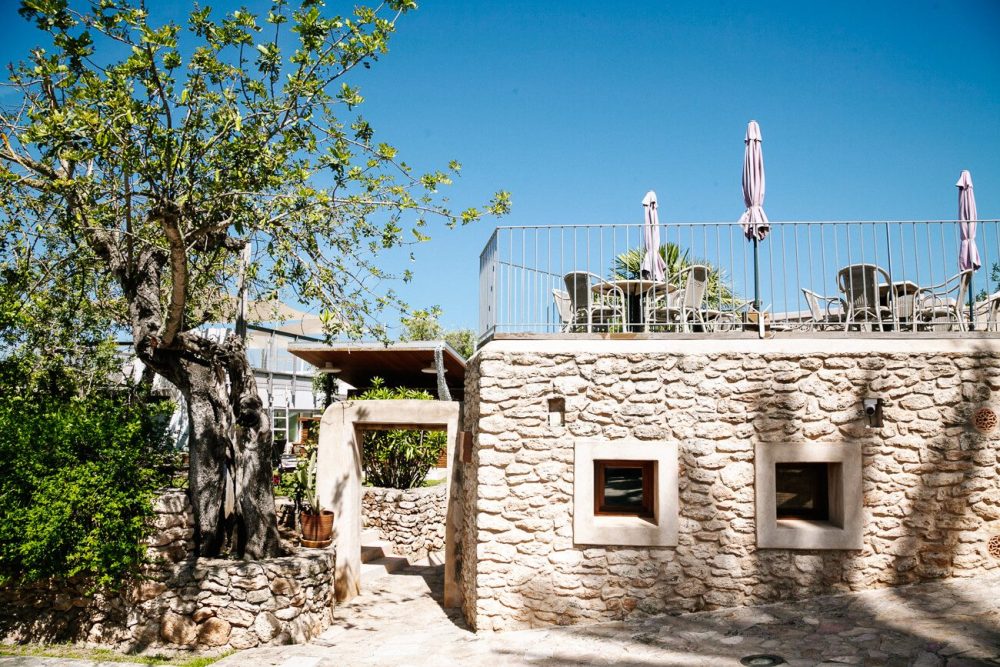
column 899, row 287
column 634, row 286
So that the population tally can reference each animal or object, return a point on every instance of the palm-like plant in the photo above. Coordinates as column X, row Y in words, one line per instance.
column 628, row 266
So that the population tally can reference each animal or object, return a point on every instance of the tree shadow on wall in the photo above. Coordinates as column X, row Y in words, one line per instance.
column 940, row 494
column 943, row 494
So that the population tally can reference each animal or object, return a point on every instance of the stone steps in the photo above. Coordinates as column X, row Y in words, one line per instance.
column 382, row 567
column 377, row 557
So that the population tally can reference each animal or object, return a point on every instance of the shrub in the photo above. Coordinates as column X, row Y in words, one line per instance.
column 80, row 472
column 399, row 459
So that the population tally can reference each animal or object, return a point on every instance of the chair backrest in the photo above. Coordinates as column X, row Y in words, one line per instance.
column 564, row 305
column 695, row 286
column 859, row 283
column 578, row 288
column 812, row 299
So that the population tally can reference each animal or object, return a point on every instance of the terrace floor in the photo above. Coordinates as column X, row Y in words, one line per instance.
column 954, row 623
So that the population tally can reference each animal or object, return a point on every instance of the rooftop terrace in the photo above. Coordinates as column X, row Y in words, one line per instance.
column 815, row 279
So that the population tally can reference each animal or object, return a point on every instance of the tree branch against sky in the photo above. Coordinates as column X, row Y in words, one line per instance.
column 162, row 150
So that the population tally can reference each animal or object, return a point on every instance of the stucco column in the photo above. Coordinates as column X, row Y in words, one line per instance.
column 338, row 478
column 338, row 485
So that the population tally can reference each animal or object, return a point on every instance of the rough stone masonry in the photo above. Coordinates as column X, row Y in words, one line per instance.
column 413, row 520
column 181, row 603
column 930, row 482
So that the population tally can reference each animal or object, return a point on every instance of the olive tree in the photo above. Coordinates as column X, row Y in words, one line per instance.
column 190, row 161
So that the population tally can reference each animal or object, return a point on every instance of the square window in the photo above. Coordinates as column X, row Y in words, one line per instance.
column 624, row 488
column 625, row 493
column 808, row 495
column 802, row 491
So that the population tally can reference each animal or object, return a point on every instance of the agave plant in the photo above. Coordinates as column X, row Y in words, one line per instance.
column 628, row 266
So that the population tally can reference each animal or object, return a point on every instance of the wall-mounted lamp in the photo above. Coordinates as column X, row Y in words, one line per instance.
column 873, row 411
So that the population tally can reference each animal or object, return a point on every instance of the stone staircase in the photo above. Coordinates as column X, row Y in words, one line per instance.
column 377, row 557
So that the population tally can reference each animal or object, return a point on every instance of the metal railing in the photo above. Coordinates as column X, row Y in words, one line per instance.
column 891, row 276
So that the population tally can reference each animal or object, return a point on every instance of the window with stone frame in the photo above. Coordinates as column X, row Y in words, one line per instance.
column 625, row 493
column 808, row 495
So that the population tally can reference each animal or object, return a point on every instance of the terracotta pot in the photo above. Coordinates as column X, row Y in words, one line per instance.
column 317, row 529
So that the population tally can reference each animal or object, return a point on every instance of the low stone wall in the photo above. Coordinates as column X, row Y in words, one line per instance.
column 413, row 520
column 929, row 500
column 182, row 603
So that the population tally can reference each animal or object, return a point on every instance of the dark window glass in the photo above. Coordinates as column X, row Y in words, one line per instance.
column 624, row 488
column 802, row 491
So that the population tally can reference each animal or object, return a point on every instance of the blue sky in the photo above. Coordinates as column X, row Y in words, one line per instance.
column 868, row 111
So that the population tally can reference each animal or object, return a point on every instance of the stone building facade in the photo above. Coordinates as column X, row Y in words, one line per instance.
column 915, row 499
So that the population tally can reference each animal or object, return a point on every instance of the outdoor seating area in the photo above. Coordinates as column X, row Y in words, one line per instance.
column 867, row 301
column 591, row 304
column 855, row 278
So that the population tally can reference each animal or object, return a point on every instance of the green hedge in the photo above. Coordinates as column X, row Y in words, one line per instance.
column 79, row 476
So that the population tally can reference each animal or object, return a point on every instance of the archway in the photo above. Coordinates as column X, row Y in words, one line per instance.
column 338, row 478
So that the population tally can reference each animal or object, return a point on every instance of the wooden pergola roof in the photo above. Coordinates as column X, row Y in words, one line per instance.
column 399, row 364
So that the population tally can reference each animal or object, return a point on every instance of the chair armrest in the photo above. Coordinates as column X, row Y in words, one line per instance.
column 953, row 279
column 830, row 301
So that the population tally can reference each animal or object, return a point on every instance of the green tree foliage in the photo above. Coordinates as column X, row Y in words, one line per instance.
column 324, row 387
column 150, row 156
column 462, row 341
column 628, row 266
column 424, row 325
column 399, row 459
column 80, row 472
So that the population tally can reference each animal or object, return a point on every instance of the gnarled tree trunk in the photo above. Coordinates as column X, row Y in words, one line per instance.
column 230, row 435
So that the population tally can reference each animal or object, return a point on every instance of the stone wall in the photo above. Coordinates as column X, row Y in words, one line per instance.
column 467, row 547
column 930, row 493
column 182, row 603
column 412, row 519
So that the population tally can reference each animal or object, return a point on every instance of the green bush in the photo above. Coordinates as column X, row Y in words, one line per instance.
column 80, row 472
column 399, row 459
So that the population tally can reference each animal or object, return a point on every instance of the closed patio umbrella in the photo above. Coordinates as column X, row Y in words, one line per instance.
column 968, row 253
column 652, row 264
column 754, row 220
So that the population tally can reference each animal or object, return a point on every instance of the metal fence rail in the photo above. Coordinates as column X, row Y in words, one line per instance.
column 890, row 276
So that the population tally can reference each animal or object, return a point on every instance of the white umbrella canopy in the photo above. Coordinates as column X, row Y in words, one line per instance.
column 653, row 265
column 968, row 252
column 754, row 220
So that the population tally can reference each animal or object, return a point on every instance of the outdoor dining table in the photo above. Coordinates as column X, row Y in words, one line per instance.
column 903, row 292
column 635, row 290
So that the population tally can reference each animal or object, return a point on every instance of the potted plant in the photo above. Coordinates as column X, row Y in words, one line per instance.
column 316, row 524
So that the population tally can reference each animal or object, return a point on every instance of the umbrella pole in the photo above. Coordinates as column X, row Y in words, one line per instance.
column 972, row 301
column 756, row 275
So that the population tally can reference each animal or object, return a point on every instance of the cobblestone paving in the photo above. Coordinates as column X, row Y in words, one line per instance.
column 399, row 621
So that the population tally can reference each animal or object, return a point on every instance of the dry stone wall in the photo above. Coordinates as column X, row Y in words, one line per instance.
column 930, row 482
column 411, row 519
column 182, row 603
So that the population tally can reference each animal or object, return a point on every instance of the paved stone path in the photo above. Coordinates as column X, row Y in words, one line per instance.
column 34, row 661
column 400, row 622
